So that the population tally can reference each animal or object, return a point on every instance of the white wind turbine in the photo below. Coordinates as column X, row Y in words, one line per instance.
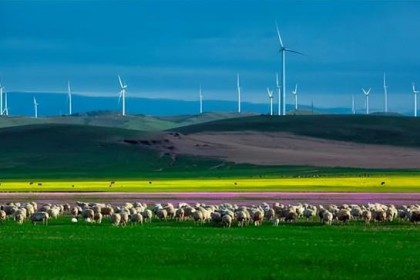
column 279, row 94
column 353, row 106
column 69, row 97
column 36, row 108
column 201, row 101
column 385, row 95
column 283, row 50
column 122, row 94
column 270, row 97
column 239, row 93
column 1, row 100
column 294, row 92
column 367, row 99
column 415, row 92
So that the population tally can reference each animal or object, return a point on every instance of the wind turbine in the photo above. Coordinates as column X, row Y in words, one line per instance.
column 279, row 93
column 294, row 92
column 69, row 97
column 270, row 97
column 283, row 50
column 367, row 99
column 122, row 94
column 353, row 107
column 239, row 93
column 415, row 99
column 36, row 108
column 1, row 100
column 201, row 101
column 386, row 94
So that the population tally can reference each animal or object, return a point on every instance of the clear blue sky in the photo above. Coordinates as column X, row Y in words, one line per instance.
column 165, row 49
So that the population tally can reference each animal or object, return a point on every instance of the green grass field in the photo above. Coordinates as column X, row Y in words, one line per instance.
column 340, row 184
column 170, row 250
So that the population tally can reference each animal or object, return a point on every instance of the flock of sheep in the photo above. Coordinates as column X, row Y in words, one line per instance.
column 222, row 214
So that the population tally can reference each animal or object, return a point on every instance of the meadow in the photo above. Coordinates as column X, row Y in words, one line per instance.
column 390, row 183
column 171, row 250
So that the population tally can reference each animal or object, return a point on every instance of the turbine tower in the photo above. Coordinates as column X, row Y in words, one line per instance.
column 36, row 108
column 353, row 107
column 386, row 95
column 415, row 99
column 69, row 97
column 367, row 99
column 239, row 93
column 294, row 92
column 279, row 94
column 122, row 94
column 1, row 100
column 283, row 50
column 270, row 97
column 6, row 106
column 201, row 101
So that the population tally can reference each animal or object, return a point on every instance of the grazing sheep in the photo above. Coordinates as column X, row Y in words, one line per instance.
column 379, row 215
column 88, row 214
column 258, row 217
column 40, row 217
column 2, row 215
column 344, row 215
column 115, row 219
column 327, row 217
column 137, row 218
column 275, row 221
column 226, row 221
column 309, row 213
column 391, row 213
column 179, row 214
column 162, row 214
column 74, row 211
column 124, row 218
column 366, row 216
column 20, row 217
column 147, row 215
column 97, row 217
column 291, row 216
column 216, row 217
column 198, row 217
column 242, row 217
column 53, row 212
column 415, row 216
column 107, row 211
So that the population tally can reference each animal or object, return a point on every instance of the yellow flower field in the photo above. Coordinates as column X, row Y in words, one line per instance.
column 340, row 184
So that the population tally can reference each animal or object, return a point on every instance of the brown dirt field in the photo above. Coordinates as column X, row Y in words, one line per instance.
column 270, row 148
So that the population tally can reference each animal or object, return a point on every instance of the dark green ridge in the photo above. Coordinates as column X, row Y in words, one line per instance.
column 386, row 130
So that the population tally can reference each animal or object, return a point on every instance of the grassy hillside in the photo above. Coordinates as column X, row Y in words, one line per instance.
column 389, row 130
column 71, row 151
column 142, row 123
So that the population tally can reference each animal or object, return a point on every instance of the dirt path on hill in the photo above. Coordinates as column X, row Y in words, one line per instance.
column 266, row 148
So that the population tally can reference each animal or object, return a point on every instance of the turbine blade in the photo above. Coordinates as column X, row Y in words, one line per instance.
column 278, row 34
column 414, row 87
column 292, row 51
column 296, row 89
column 277, row 80
column 119, row 79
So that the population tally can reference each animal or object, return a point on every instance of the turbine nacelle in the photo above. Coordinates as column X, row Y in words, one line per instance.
column 270, row 93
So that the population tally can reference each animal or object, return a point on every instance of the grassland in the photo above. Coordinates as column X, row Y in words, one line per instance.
column 324, row 184
column 170, row 250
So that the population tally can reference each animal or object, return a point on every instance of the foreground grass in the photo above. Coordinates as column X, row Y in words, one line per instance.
column 185, row 251
column 339, row 184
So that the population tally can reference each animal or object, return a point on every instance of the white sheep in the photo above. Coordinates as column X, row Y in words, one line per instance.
column 40, row 217
column 227, row 221
column 327, row 217
column 115, row 219
column 97, row 217
column 137, row 218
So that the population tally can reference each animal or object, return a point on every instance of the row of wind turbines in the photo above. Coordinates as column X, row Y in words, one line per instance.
column 4, row 109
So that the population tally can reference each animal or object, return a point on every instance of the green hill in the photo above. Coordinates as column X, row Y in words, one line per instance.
column 387, row 130
column 76, row 151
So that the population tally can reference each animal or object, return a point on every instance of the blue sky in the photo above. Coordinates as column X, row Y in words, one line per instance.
column 165, row 49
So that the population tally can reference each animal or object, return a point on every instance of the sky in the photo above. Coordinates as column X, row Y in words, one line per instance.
column 168, row 48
